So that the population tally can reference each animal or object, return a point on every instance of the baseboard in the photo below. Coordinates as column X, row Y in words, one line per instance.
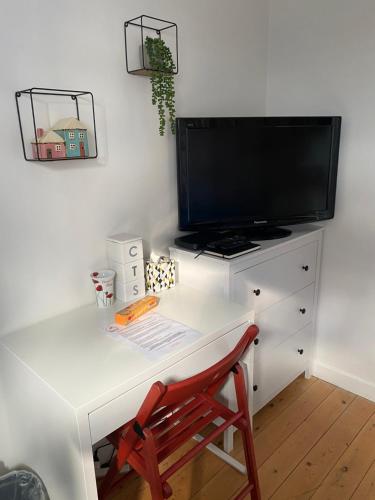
column 345, row 380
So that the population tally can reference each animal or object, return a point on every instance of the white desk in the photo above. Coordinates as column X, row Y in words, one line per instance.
column 67, row 384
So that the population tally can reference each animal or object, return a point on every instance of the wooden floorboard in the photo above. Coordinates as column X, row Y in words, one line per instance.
column 286, row 458
column 267, row 442
column 316, row 464
column 274, row 434
column 351, row 468
column 366, row 489
column 275, row 407
column 312, row 440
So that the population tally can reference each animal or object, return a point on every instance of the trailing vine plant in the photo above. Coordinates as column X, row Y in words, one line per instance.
column 162, row 81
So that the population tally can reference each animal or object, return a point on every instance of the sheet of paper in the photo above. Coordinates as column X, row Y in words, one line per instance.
column 154, row 334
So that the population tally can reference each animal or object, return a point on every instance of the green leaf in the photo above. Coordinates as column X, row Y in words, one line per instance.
column 162, row 81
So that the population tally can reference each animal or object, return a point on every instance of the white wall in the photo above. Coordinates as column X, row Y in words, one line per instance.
column 54, row 217
column 321, row 62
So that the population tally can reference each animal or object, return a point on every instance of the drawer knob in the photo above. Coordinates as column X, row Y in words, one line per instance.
column 302, row 310
column 256, row 291
column 300, row 351
column 305, row 268
column 256, row 341
column 255, row 387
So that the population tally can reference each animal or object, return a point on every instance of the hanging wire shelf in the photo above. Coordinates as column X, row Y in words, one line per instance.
column 77, row 143
column 141, row 27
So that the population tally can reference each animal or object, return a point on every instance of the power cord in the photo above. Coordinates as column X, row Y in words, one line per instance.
column 96, row 456
column 108, row 463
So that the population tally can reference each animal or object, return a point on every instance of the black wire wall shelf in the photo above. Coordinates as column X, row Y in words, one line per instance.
column 136, row 30
column 69, row 138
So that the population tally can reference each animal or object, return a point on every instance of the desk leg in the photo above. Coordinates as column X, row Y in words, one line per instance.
column 223, row 455
column 228, row 441
column 87, row 456
column 44, row 431
column 228, row 399
column 248, row 366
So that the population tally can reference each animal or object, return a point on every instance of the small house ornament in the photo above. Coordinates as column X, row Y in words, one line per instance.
column 74, row 134
column 49, row 145
column 66, row 139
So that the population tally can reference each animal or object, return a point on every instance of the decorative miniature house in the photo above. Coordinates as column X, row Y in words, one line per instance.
column 49, row 145
column 74, row 134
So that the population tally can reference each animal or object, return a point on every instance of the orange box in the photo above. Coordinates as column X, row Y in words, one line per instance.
column 135, row 310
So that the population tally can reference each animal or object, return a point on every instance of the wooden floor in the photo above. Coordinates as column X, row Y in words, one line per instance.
column 313, row 440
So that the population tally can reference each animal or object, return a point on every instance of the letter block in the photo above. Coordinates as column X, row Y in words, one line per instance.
column 125, row 257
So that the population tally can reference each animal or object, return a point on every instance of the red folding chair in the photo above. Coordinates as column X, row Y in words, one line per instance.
column 172, row 414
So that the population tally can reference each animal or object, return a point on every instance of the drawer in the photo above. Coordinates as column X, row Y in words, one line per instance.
column 275, row 369
column 269, row 282
column 283, row 319
column 120, row 410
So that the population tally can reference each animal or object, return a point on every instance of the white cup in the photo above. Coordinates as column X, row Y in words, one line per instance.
column 103, row 282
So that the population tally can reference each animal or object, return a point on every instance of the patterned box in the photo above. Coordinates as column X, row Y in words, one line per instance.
column 160, row 275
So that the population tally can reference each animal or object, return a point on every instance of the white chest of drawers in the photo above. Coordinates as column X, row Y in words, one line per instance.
column 280, row 283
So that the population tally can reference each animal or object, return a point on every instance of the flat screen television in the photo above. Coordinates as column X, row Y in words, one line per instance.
column 256, row 172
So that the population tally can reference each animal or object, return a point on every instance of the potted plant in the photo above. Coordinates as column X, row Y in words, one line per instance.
column 162, row 81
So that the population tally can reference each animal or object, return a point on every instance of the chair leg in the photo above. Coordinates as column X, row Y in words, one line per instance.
column 247, row 436
column 252, row 472
column 152, row 466
column 105, row 485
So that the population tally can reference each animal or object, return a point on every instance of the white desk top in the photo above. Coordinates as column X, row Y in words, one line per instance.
column 73, row 356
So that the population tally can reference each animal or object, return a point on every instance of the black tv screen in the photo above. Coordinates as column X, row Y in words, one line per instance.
column 238, row 172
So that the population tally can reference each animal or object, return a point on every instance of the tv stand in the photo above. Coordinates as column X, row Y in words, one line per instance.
column 279, row 282
column 198, row 241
